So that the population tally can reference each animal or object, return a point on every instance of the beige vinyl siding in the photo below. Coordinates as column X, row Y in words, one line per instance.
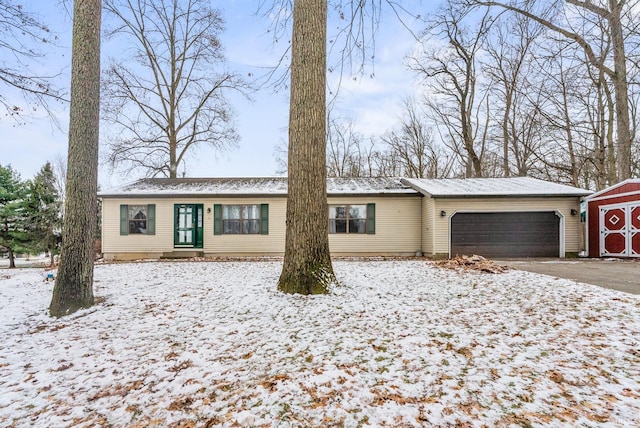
column 115, row 245
column 251, row 245
column 428, row 226
column 398, row 222
column 146, row 245
column 572, row 228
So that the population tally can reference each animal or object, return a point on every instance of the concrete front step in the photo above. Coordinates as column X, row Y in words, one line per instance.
column 182, row 254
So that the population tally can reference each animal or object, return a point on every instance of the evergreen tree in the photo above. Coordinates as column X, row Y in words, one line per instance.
column 12, row 212
column 45, row 212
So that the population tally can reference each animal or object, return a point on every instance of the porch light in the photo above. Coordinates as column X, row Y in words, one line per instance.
column 443, row 213
column 574, row 211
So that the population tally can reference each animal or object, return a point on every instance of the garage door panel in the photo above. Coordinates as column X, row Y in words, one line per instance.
column 506, row 251
column 523, row 234
column 620, row 230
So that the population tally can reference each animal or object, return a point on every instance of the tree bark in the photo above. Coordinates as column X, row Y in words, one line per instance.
column 73, row 289
column 624, row 141
column 307, row 265
column 505, row 129
column 566, row 116
column 12, row 259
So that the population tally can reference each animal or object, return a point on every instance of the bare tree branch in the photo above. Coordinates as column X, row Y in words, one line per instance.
column 168, row 98
column 612, row 12
column 21, row 39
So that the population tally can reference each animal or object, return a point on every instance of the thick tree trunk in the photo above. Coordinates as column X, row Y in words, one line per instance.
column 74, row 283
column 307, row 265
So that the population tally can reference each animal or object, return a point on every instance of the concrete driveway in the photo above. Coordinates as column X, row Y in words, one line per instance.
column 616, row 274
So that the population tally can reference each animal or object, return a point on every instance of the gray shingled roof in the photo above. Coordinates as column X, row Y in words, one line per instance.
column 276, row 186
column 491, row 187
column 268, row 186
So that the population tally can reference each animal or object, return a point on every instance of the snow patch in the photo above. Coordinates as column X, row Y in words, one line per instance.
column 398, row 343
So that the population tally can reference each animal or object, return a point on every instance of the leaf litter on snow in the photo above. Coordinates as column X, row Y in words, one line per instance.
column 398, row 343
column 471, row 263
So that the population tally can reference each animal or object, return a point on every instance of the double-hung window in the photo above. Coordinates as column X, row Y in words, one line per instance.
column 137, row 219
column 352, row 218
column 241, row 219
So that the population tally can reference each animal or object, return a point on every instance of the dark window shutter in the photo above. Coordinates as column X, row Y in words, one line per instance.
column 124, row 219
column 151, row 219
column 264, row 217
column 176, row 213
column 217, row 219
column 371, row 219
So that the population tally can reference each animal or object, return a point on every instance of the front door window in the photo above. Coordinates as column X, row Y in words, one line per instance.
column 188, row 225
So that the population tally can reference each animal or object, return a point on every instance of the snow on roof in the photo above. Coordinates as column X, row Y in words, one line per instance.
column 252, row 186
column 477, row 187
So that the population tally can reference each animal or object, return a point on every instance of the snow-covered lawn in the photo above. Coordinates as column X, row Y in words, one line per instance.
column 399, row 343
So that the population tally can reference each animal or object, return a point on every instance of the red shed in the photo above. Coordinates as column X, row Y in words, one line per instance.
column 613, row 221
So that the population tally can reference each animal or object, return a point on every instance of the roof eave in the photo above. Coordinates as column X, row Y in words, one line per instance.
column 376, row 194
column 506, row 195
column 410, row 193
column 190, row 195
column 416, row 187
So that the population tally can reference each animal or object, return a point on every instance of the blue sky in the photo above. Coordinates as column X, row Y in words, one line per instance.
column 374, row 103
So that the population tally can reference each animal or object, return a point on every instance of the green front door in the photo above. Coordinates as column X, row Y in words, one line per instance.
column 188, row 225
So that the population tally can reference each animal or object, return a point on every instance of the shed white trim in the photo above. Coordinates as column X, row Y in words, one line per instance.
column 614, row 196
column 596, row 195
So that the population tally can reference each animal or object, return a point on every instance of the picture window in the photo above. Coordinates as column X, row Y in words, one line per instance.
column 241, row 219
column 348, row 219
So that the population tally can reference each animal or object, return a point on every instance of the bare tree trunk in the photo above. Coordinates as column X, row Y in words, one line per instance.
column 566, row 115
column 602, row 126
column 307, row 265
column 12, row 259
column 621, row 90
column 612, row 167
column 505, row 131
column 467, row 97
column 618, row 74
column 474, row 164
column 74, row 284
column 173, row 163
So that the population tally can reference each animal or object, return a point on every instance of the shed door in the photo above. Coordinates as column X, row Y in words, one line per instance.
column 620, row 230
column 506, row 234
